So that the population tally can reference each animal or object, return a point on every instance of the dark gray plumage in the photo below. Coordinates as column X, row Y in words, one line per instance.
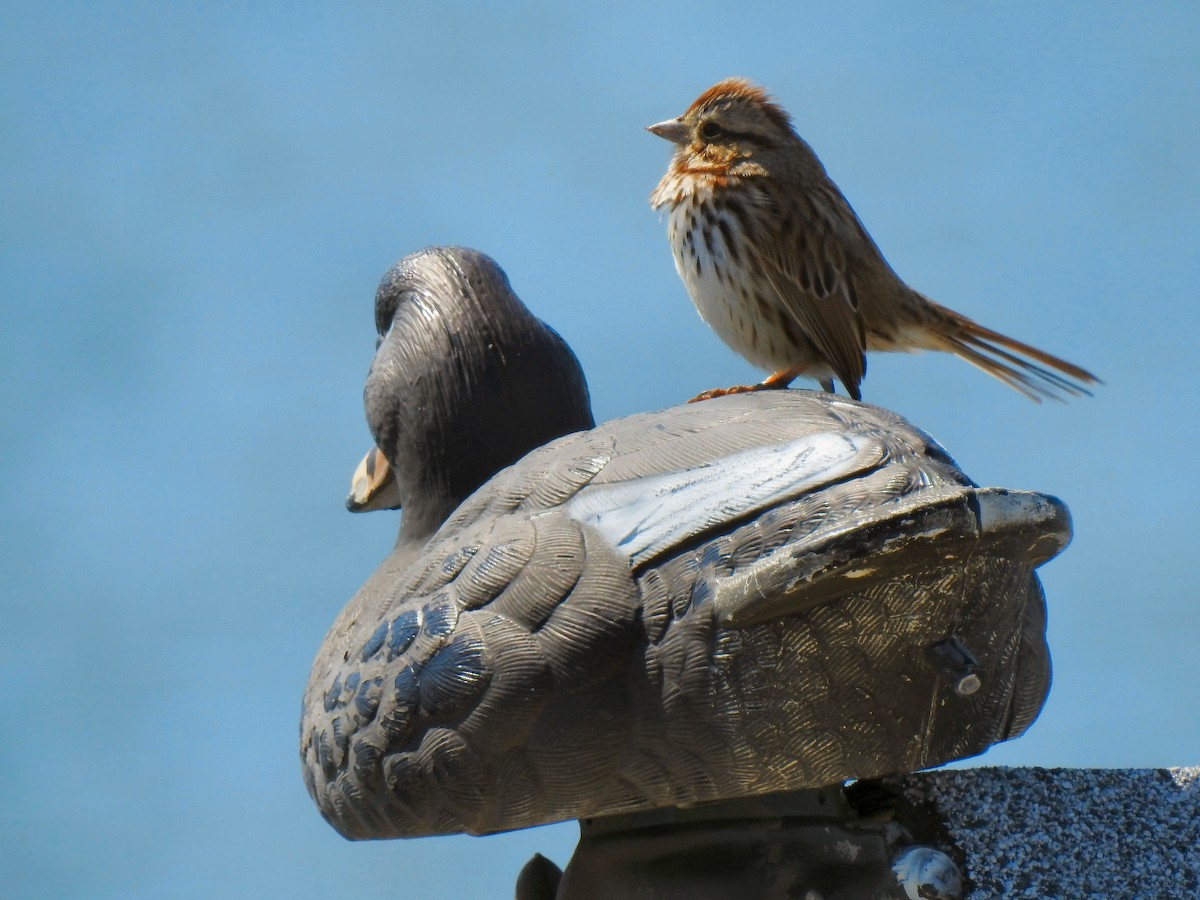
column 759, row 593
column 465, row 381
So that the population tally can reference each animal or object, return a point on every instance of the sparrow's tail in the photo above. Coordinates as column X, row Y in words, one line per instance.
column 1033, row 372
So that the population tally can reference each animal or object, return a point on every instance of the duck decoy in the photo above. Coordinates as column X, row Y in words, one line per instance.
column 761, row 593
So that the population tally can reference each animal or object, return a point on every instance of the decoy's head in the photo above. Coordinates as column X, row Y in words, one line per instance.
column 465, row 381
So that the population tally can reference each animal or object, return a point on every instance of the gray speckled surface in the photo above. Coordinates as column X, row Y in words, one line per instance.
column 1077, row 833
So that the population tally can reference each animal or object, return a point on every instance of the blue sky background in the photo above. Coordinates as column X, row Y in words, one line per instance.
column 200, row 199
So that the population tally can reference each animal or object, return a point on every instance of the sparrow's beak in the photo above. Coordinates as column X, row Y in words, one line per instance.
column 373, row 485
column 672, row 130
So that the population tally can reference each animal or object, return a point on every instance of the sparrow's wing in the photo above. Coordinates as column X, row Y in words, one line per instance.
column 797, row 246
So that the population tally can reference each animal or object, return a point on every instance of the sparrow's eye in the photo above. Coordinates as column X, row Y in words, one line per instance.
column 710, row 131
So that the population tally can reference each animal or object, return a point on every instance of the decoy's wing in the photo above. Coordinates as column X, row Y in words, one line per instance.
column 487, row 639
column 799, row 499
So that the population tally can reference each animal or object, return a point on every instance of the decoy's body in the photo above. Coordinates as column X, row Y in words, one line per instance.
column 762, row 593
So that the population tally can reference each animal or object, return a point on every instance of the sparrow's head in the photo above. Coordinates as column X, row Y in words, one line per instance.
column 734, row 120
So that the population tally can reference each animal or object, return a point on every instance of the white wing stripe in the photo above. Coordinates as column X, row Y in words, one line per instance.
column 642, row 518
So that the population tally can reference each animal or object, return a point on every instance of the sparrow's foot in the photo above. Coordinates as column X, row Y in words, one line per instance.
column 767, row 385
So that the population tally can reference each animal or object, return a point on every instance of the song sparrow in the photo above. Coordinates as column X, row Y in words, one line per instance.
column 779, row 265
